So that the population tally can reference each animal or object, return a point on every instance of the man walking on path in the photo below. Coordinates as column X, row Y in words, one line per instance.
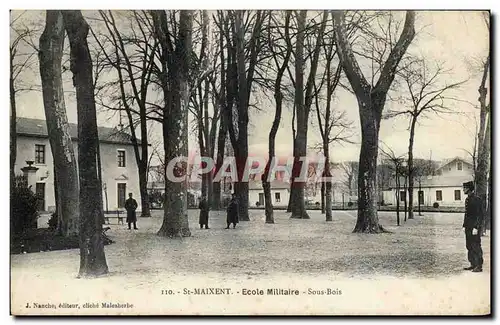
column 131, row 206
column 473, row 221
column 204, row 211
column 232, row 212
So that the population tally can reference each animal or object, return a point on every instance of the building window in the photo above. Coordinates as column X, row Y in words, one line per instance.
column 459, row 165
column 277, row 197
column 402, row 196
column 439, row 195
column 458, row 195
column 121, row 158
column 39, row 154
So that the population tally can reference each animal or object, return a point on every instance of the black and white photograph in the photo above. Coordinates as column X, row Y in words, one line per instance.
column 244, row 162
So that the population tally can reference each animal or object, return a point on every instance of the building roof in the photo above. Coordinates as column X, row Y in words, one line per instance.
column 38, row 128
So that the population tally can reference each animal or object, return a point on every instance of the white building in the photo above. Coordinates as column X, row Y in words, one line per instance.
column 280, row 193
column 118, row 165
column 446, row 188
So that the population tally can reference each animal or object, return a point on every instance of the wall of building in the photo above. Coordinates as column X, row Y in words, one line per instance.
column 448, row 196
column 253, row 197
column 111, row 173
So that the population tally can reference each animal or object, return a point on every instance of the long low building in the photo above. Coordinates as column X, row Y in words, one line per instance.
column 445, row 188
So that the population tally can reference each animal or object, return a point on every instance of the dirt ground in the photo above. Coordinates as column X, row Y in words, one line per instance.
column 416, row 269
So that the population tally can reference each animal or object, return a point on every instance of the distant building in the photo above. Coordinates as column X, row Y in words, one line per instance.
column 444, row 188
column 118, row 165
column 280, row 193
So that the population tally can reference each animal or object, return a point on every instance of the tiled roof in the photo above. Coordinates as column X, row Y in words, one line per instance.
column 38, row 128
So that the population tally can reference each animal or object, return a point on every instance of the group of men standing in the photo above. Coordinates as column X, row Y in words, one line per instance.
column 232, row 212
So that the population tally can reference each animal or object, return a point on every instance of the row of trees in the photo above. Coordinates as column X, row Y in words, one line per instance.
column 160, row 66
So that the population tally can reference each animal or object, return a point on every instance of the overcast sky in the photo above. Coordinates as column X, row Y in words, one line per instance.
column 452, row 37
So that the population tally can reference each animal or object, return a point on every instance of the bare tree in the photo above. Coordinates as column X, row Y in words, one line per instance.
column 302, row 104
column 427, row 92
column 132, row 58
column 333, row 124
column 206, row 123
column 281, row 57
column 92, row 257
column 65, row 167
column 371, row 102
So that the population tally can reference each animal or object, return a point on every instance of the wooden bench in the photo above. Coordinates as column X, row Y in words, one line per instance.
column 120, row 215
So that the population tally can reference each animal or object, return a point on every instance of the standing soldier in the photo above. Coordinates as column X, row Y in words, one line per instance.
column 232, row 212
column 473, row 221
column 130, row 206
column 204, row 211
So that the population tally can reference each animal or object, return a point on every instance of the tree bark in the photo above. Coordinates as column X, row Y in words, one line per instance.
column 92, row 256
column 483, row 157
column 175, row 127
column 322, row 197
column 371, row 101
column 367, row 220
column 50, row 56
column 405, row 187
column 410, row 167
column 13, row 123
column 397, row 197
column 300, row 143
column 221, row 145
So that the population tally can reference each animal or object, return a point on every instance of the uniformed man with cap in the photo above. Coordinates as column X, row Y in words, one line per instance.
column 473, row 221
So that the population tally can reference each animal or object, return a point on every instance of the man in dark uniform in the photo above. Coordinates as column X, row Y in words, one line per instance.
column 473, row 221
column 232, row 212
column 204, row 211
column 131, row 206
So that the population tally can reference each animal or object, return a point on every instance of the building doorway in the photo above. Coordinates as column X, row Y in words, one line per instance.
column 40, row 194
column 261, row 199
column 121, row 194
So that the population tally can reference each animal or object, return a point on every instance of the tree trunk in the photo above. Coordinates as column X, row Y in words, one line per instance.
column 66, row 182
column 410, row 168
column 143, row 188
column 327, row 183
column 482, row 170
column 300, row 143
column 483, row 157
column 397, row 198
column 323, row 197
column 92, row 257
column 13, row 122
column 221, row 146
column 419, row 201
column 406, row 200
column 175, row 136
column 367, row 220
column 371, row 101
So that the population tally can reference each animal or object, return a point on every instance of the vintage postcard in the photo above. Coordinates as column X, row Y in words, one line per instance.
column 250, row 162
